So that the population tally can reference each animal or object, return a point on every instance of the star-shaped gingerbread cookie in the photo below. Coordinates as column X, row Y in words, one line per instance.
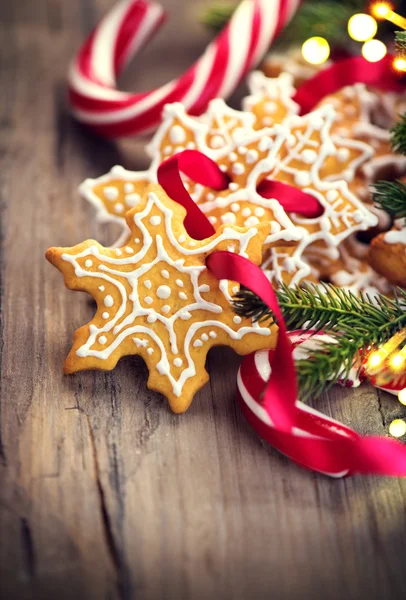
column 156, row 298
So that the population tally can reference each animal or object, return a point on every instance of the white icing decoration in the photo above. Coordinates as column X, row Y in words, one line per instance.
column 102, row 340
column 150, row 350
column 302, row 178
column 197, row 343
column 343, row 154
column 205, row 337
column 237, row 320
column 309, row 156
column 128, row 187
column 119, row 207
column 101, row 288
column 111, row 193
column 235, row 207
column 88, row 263
column 129, row 250
column 182, row 296
column 105, row 315
column 259, row 211
column 166, row 308
column 148, row 284
column 163, row 292
column 140, row 343
column 228, row 218
column 155, row 220
column 133, row 199
column 179, row 282
column 165, row 274
column 118, row 252
column 122, row 323
column 238, row 169
column 251, row 156
column 395, row 237
column 181, row 238
column 251, row 221
column 178, row 362
column 108, row 301
column 213, row 334
column 148, row 300
column 217, row 142
column 177, row 135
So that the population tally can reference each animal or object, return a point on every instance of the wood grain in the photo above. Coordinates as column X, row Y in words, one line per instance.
column 104, row 493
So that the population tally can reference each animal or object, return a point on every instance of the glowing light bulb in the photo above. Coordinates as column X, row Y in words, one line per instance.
column 397, row 428
column 316, row 50
column 381, row 9
column 402, row 396
column 400, row 64
column 362, row 27
column 374, row 50
column 397, row 361
column 376, row 358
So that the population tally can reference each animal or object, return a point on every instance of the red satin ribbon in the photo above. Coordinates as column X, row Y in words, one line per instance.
column 345, row 72
column 292, row 199
column 367, row 455
column 202, row 169
column 372, row 455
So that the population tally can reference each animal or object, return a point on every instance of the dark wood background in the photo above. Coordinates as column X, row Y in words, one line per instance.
column 104, row 493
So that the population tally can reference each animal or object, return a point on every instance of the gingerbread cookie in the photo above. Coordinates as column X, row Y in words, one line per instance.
column 293, row 63
column 387, row 255
column 156, row 298
column 357, row 110
column 271, row 99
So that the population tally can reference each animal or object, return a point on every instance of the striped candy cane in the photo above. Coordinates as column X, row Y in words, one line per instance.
column 253, row 375
column 96, row 102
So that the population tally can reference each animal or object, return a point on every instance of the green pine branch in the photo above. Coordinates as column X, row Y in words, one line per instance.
column 327, row 18
column 400, row 42
column 355, row 322
column 391, row 196
column 218, row 13
column 398, row 135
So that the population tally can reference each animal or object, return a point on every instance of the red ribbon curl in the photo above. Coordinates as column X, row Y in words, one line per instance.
column 329, row 453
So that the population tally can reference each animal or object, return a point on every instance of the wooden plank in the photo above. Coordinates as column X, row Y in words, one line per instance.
column 104, row 492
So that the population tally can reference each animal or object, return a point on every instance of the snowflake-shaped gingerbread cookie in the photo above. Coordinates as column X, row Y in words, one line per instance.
column 156, row 298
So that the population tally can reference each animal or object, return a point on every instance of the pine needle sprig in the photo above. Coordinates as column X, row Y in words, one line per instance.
column 398, row 135
column 391, row 196
column 400, row 43
column 355, row 322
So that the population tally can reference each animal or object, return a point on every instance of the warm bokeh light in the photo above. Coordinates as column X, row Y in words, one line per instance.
column 362, row 27
column 381, row 9
column 316, row 50
column 400, row 64
column 397, row 361
column 402, row 396
column 376, row 358
column 397, row 428
column 384, row 10
column 374, row 50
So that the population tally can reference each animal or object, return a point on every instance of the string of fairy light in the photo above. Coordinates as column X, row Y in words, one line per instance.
column 362, row 27
column 389, row 361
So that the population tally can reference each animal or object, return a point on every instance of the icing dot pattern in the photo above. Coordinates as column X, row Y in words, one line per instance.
column 146, row 314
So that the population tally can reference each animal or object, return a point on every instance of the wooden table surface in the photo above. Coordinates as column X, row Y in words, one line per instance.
column 104, row 493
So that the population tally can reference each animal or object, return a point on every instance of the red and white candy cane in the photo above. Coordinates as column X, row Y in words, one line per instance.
column 253, row 375
column 96, row 102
